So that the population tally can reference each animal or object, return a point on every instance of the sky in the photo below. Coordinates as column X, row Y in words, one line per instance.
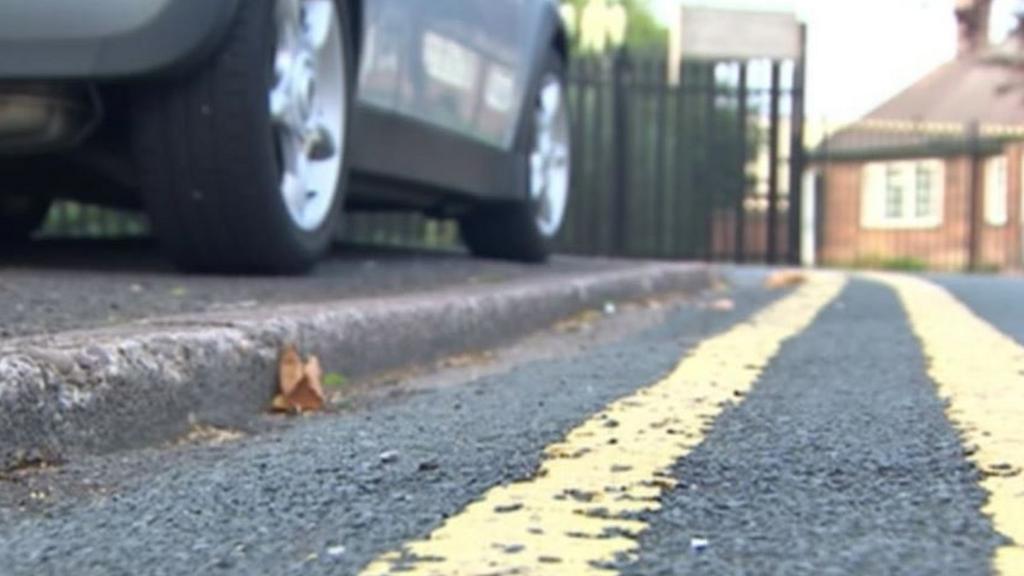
column 862, row 52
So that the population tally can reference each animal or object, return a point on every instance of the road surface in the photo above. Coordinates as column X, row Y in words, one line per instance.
column 846, row 425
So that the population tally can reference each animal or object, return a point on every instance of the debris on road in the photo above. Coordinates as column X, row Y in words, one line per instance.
column 582, row 322
column 699, row 545
column 1001, row 470
column 428, row 466
column 784, row 279
column 335, row 551
column 466, row 360
column 300, row 383
column 209, row 435
column 723, row 305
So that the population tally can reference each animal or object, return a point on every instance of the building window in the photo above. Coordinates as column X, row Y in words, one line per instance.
column 923, row 191
column 893, row 192
column 902, row 194
column 996, row 191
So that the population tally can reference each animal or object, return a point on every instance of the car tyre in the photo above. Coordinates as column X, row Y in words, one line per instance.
column 525, row 230
column 242, row 160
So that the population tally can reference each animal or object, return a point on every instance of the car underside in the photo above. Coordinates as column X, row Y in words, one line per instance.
column 192, row 109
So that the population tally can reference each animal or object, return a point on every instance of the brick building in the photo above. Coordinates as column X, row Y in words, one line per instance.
column 933, row 177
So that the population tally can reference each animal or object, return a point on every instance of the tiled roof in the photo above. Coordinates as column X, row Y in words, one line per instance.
column 987, row 88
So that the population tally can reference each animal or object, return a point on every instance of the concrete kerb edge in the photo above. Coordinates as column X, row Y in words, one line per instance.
column 95, row 391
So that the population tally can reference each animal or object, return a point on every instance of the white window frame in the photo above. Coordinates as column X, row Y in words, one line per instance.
column 997, row 191
column 877, row 185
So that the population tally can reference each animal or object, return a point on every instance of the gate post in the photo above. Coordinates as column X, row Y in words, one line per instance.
column 773, row 166
column 797, row 152
column 621, row 139
column 741, row 201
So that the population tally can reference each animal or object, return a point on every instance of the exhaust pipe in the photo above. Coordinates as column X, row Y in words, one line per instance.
column 37, row 118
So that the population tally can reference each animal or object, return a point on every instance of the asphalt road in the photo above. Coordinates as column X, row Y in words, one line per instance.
column 55, row 286
column 998, row 299
column 756, row 431
column 831, row 465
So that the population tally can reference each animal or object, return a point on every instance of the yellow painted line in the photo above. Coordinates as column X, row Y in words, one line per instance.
column 578, row 513
column 980, row 372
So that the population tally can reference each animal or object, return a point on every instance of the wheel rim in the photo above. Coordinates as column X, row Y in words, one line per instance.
column 550, row 157
column 307, row 107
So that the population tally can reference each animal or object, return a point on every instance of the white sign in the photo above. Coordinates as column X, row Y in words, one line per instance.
column 706, row 33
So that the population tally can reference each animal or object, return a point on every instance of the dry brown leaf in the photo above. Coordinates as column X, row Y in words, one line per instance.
column 784, row 279
column 289, row 370
column 578, row 323
column 281, row 404
column 300, row 384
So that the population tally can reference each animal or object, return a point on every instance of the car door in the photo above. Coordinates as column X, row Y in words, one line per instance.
column 441, row 97
column 462, row 65
column 384, row 53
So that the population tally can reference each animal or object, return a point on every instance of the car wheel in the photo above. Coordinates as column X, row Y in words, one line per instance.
column 243, row 161
column 526, row 229
column 21, row 215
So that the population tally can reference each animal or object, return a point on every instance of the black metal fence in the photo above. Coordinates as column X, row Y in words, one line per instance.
column 692, row 162
column 695, row 162
column 921, row 197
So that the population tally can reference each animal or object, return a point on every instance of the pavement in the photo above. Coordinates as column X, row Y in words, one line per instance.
column 56, row 286
column 842, row 425
column 189, row 350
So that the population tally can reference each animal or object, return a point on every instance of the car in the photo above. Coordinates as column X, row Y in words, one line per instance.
column 244, row 127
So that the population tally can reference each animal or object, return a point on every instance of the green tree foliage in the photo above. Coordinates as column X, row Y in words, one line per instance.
column 643, row 32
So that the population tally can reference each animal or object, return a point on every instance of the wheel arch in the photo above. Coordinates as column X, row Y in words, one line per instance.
column 551, row 35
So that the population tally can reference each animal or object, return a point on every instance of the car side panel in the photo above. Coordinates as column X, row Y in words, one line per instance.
column 469, row 69
column 387, row 31
column 449, row 76
column 463, row 65
column 394, row 152
column 76, row 39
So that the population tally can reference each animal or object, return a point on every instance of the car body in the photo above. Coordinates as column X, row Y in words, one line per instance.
column 440, row 109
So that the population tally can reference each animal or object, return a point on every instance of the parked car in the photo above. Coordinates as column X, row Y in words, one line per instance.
column 243, row 127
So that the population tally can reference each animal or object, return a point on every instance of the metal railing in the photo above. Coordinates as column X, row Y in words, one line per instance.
column 686, row 163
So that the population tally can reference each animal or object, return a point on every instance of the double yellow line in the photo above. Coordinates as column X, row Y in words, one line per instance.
column 580, row 512
column 980, row 372
column 573, row 516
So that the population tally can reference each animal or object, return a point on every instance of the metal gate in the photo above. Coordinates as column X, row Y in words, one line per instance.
column 702, row 164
